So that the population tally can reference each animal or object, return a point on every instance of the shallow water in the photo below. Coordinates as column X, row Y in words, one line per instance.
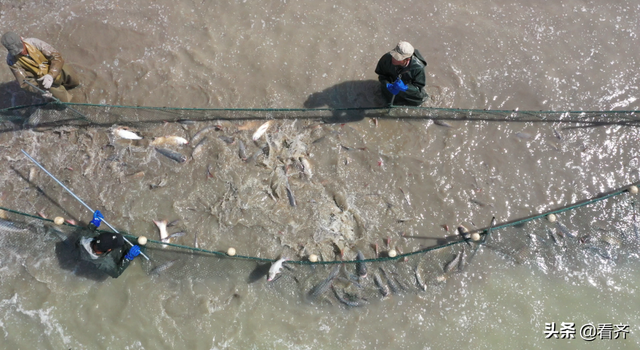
column 410, row 177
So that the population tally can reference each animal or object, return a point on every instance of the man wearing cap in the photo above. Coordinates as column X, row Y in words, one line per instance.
column 401, row 74
column 40, row 64
column 107, row 250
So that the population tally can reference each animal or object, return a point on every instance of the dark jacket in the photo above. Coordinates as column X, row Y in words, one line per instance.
column 112, row 263
column 413, row 76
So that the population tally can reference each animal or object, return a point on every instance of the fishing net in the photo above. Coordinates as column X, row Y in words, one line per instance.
column 57, row 114
column 548, row 246
column 214, row 213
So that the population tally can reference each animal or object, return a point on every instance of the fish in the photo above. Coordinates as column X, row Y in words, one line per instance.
column 169, row 141
column 123, row 133
column 198, row 148
column 178, row 157
column 306, row 167
column 392, row 284
column 558, row 135
column 453, row 264
column 227, row 139
column 361, row 268
column 603, row 253
column 463, row 260
column 565, row 230
column 32, row 174
column 523, row 135
column 12, row 227
column 242, row 150
column 275, row 268
column 384, row 290
column 322, row 287
column 174, row 235
column 610, row 240
column 201, row 132
column 555, row 237
column 319, row 139
column 261, row 130
column 419, row 280
column 341, row 298
column 441, row 123
column 173, row 223
column 537, row 240
column 161, row 268
column 292, row 199
column 162, row 228
column 464, row 232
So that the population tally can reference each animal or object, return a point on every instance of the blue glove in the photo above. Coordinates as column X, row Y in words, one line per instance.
column 397, row 86
column 97, row 218
column 132, row 253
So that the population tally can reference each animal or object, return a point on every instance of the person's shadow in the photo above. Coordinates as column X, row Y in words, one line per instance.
column 349, row 98
column 68, row 255
column 11, row 95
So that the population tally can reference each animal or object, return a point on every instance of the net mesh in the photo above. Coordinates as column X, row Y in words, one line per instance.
column 611, row 236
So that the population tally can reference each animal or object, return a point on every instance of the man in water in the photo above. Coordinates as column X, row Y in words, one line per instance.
column 401, row 73
column 40, row 64
column 106, row 251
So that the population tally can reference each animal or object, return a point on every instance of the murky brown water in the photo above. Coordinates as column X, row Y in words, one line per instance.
column 370, row 182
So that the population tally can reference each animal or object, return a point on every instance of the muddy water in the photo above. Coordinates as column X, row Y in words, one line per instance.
column 369, row 182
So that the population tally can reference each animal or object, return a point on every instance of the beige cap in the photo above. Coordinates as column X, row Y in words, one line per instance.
column 402, row 51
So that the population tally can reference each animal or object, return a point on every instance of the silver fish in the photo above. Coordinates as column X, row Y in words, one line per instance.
column 463, row 260
column 441, row 123
column 453, row 264
column 275, row 268
column 261, row 130
column 173, row 235
column 242, row 150
column 306, row 167
column 292, row 199
column 420, row 281
column 603, row 253
column 199, row 147
column 361, row 268
column 342, row 298
column 323, row 286
column 123, row 133
column 392, row 284
column 178, row 157
column 161, row 268
column 558, row 135
column 383, row 287
column 227, row 139
column 201, row 132
column 555, row 237
column 537, row 240
column 565, row 230
column 169, row 141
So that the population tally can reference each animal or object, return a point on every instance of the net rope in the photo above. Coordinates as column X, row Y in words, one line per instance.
column 98, row 114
